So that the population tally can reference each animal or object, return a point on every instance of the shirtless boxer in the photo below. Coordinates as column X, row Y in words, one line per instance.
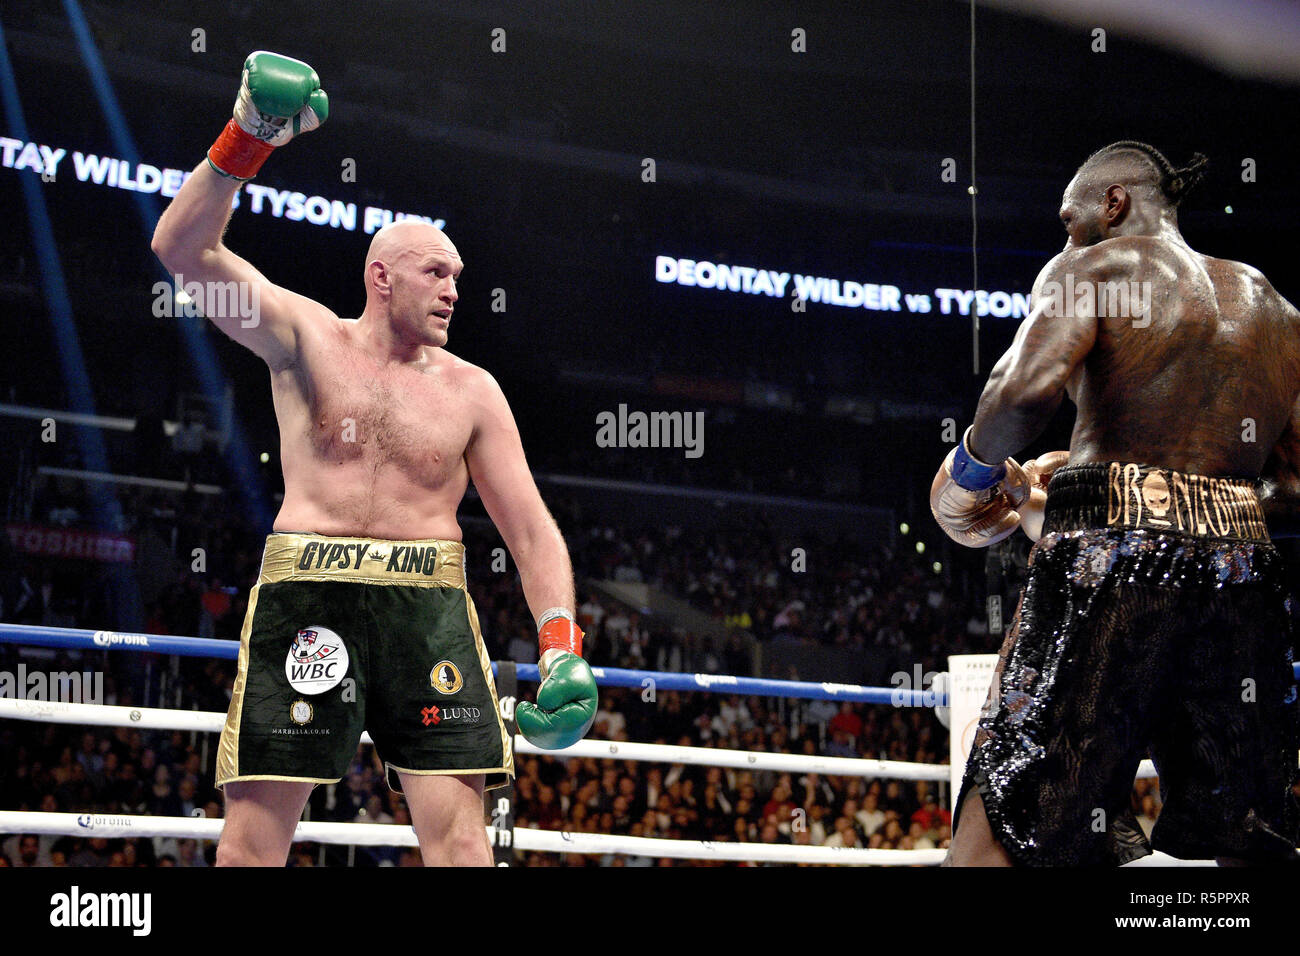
column 1154, row 613
column 360, row 618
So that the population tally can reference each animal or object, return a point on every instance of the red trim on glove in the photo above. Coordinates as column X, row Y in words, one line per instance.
column 238, row 154
column 560, row 633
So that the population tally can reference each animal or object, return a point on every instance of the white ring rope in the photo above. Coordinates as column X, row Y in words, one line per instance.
column 745, row 760
column 555, row 841
column 115, row 826
column 152, row 718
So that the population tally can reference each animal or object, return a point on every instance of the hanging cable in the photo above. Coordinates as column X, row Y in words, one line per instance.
column 974, row 221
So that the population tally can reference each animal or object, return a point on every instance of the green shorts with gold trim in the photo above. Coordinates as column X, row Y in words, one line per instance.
column 350, row 634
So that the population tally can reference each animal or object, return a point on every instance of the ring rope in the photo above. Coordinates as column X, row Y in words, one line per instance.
column 525, row 838
column 152, row 718
column 85, row 639
column 114, row 826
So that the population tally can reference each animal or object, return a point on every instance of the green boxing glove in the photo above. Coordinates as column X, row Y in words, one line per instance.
column 279, row 98
column 566, row 699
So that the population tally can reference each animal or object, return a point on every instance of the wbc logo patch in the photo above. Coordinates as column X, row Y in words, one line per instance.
column 317, row 660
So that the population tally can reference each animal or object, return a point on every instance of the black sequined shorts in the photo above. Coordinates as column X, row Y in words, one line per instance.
column 1154, row 620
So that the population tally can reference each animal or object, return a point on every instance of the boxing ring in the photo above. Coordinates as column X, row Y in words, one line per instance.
column 107, row 825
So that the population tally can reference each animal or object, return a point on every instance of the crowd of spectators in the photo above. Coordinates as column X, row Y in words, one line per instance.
column 61, row 768
column 881, row 603
column 123, row 770
column 686, row 802
column 889, row 611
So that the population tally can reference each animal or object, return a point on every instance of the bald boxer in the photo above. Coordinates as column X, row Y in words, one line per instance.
column 1154, row 616
column 360, row 619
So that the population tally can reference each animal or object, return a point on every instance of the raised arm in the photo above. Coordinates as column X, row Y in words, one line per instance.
column 238, row 299
column 278, row 97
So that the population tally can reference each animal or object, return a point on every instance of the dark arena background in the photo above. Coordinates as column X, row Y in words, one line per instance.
column 758, row 217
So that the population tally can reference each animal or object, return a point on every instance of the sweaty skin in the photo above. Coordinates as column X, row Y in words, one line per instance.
column 372, row 446
column 1205, row 381
column 381, row 428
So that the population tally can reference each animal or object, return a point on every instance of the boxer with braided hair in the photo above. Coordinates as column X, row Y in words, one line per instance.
column 1153, row 617
column 1173, row 183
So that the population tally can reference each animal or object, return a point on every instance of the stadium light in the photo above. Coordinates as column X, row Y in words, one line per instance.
column 212, row 379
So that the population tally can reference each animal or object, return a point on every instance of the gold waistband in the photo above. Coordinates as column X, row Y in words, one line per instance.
column 1160, row 499
column 315, row 557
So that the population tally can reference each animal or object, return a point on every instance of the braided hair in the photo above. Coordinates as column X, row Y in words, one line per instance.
column 1174, row 182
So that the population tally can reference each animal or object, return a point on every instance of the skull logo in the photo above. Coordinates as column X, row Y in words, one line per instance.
column 1155, row 492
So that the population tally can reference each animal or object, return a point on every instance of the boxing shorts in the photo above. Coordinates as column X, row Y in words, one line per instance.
column 350, row 634
column 1154, row 620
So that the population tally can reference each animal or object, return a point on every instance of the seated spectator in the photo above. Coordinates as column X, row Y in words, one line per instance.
column 845, row 835
column 870, row 817
column 919, row 839
column 29, row 851
column 1147, row 818
column 610, row 722
column 93, row 852
column 931, row 816
column 846, row 721
column 841, row 746
column 189, row 854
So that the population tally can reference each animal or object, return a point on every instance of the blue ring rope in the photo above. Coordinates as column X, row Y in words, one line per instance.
column 82, row 639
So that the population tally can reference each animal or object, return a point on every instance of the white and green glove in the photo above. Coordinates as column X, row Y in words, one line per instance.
column 566, row 699
column 279, row 98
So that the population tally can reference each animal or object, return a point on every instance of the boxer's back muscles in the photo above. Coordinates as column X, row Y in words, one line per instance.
column 1204, row 382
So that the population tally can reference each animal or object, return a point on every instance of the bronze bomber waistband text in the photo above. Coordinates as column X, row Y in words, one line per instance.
column 1164, row 500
